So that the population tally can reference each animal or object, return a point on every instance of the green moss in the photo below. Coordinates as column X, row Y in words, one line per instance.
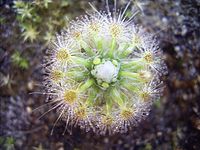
column 19, row 61
column 38, row 19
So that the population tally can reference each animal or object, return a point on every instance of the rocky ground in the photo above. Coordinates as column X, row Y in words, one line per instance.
column 174, row 121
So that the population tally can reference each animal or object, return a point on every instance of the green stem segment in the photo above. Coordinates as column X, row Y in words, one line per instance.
column 76, row 74
column 86, row 85
column 112, row 47
column 92, row 96
column 131, row 63
column 131, row 75
column 109, row 104
column 99, row 44
column 134, row 64
column 87, row 48
column 130, row 87
column 81, row 61
column 116, row 97
column 126, row 51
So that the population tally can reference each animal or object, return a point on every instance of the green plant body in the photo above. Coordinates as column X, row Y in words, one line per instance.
column 104, row 73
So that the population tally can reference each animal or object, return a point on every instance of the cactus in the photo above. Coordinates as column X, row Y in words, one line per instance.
column 103, row 73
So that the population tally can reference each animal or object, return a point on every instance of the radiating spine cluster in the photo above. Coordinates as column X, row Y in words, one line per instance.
column 103, row 73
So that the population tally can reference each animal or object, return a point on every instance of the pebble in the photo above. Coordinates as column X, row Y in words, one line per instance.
column 30, row 85
column 29, row 109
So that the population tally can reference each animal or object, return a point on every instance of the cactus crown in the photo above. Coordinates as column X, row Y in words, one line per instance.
column 104, row 72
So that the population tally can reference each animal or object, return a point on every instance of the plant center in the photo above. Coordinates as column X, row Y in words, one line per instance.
column 105, row 72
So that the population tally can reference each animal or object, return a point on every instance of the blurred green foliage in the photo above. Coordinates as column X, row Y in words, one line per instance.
column 157, row 103
column 19, row 61
column 7, row 143
column 40, row 19
column 2, row 20
column 148, row 146
column 40, row 147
